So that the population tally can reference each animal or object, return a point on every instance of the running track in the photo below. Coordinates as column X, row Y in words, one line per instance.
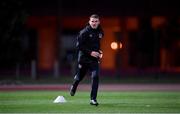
column 102, row 87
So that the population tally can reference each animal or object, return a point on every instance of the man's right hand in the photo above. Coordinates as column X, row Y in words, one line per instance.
column 95, row 54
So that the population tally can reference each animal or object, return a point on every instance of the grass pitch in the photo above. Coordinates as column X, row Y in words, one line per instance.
column 110, row 102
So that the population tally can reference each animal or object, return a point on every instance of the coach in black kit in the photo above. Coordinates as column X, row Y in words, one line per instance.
column 89, row 55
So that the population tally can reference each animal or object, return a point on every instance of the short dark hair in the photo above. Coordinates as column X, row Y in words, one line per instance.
column 94, row 16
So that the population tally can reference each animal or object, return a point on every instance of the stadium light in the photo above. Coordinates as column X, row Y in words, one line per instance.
column 114, row 45
column 120, row 45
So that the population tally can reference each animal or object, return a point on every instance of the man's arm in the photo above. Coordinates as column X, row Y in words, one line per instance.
column 82, row 44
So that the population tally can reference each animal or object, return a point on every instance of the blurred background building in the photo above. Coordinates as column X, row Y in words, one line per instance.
column 38, row 37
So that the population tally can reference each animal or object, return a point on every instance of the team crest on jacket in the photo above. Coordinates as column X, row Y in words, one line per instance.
column 100, row 35
column 90, row 35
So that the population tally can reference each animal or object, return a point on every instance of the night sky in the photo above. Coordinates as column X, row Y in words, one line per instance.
column 104, row 7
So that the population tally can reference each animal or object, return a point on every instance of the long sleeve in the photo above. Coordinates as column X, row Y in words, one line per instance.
column 82, row 44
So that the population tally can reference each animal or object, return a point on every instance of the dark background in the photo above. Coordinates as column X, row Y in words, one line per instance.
column 19, row 44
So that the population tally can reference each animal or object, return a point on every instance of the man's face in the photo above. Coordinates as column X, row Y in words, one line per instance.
column 94, row 22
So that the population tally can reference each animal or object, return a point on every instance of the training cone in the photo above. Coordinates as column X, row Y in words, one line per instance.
column 60, row 99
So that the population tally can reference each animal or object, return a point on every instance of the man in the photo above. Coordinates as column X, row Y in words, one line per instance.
column 89, row 55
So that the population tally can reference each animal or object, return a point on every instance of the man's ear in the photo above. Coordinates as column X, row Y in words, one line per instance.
column 99, row 21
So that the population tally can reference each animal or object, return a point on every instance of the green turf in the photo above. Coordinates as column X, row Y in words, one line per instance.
column 110, row 102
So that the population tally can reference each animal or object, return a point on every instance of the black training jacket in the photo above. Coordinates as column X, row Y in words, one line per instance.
column 88, row 40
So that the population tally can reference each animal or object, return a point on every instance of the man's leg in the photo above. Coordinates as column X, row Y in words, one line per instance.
column 95, row 82
column 81, row 72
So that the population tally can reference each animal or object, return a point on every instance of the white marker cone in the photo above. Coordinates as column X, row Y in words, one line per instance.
column 60, row 99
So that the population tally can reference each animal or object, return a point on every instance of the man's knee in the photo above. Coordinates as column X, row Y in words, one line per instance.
column 94, row 74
